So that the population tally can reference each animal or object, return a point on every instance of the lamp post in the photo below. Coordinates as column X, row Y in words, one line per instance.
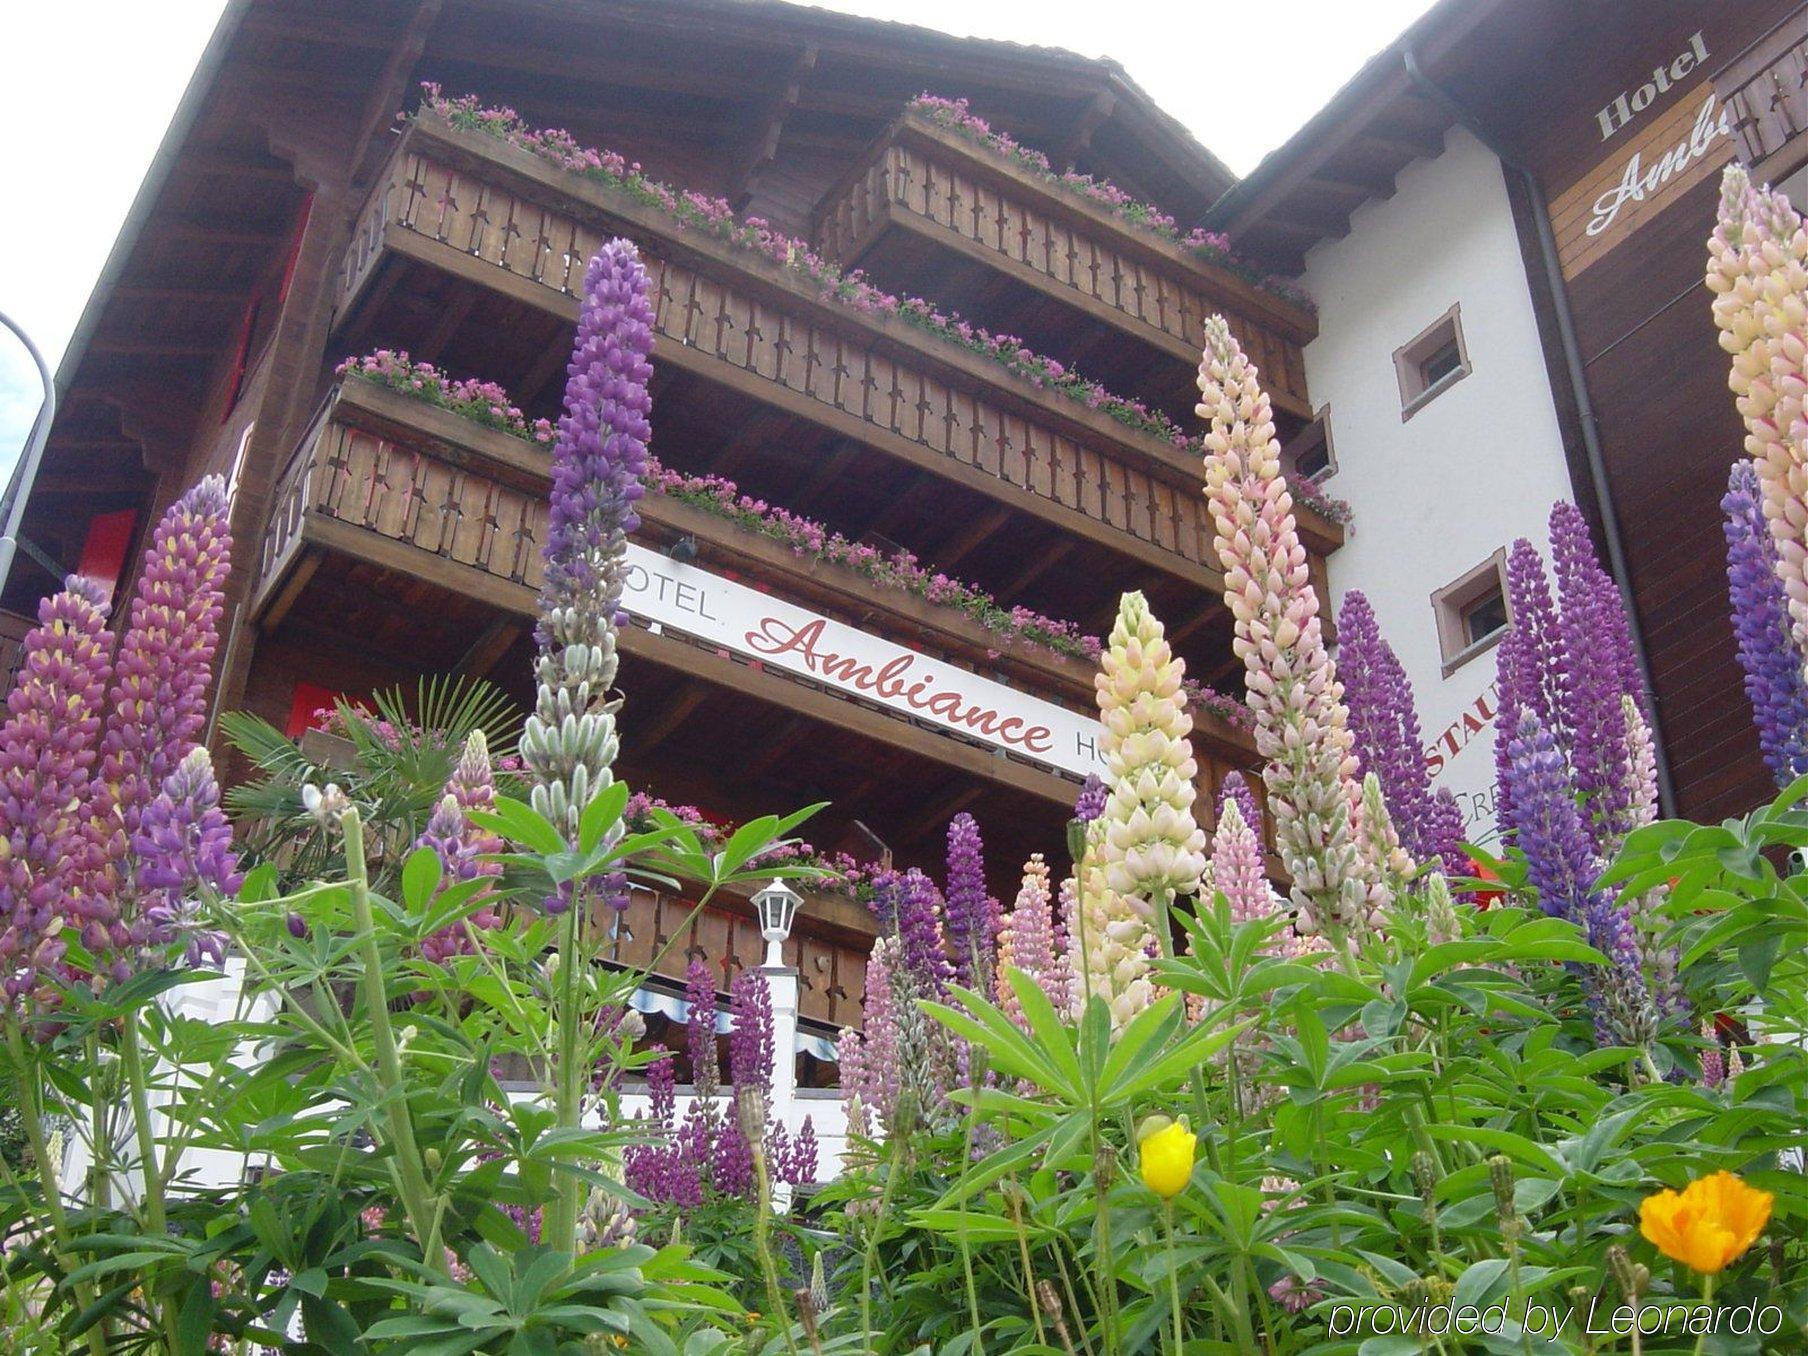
column 777, row 909
column 18, row 488
column 776, row 906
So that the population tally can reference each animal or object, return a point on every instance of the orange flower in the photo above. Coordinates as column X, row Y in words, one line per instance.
column 1709, row 1224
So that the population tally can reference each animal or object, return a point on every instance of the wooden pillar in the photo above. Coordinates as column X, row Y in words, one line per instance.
column 339, row 166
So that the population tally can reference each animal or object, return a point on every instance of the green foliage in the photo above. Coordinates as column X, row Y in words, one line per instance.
column 398, row 1196
column 392, row 761
column 1423, row 1124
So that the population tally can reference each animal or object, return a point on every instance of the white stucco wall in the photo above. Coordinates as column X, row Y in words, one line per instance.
column 1477, row 467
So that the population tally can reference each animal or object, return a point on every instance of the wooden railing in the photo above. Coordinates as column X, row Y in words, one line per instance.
column 925, row 179
column 388, row 479
column 829, row 945
column 1765, row 89
column 473, row 205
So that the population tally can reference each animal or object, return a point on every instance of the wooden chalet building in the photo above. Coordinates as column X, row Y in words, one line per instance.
column 1608, row 125
column 291, row 220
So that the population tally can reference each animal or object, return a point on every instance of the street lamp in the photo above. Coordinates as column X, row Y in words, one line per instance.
column 777, row 908
column 18, row 489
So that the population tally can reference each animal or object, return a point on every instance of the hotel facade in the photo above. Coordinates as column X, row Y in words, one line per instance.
column 1471, row 283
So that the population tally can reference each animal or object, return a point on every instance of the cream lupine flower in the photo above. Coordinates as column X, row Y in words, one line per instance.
column 1153, row 848
column 1110, row 955
column 1383, row 857
column 1758, row 272
column 1302, row 726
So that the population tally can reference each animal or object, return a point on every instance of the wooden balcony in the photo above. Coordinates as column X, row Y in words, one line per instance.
column 476, row 208
column 929, row 204
column 425, row 494
column 1765, row 88
column 829, row 945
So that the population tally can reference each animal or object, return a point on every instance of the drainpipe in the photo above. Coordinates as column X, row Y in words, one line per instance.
column 1578, row 382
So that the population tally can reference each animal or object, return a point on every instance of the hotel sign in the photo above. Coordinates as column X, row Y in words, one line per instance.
column 854, row 663
column 1689, row 141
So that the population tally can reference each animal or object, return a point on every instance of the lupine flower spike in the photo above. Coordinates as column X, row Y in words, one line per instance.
column 1773, row 664
column 1302, row 726
column 50, row 796
column 1758, row 272
column 569, row 743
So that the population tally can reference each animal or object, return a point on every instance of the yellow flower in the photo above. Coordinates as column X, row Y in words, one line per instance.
column 1709, row 1224
column 1165, row 1155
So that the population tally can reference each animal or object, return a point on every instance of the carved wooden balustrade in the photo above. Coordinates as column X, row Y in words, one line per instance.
column 829, row 946
column 1765, row 89
column 925, row 179
column 391, row 480
column 474, row 206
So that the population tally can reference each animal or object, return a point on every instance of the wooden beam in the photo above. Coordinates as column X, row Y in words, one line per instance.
column 1404, row 145
column 761, row 147
column 971, row 537
column 1039, row 564
column 1389, row 86
column 213, row 233
column 489, row 647
column 944, row 810
column 151, row 348
column 833, row 467
column 378, row 114
column 642, row 739
column 1210, row 612
column 774, row 746
column 1354, row 183
column 238, row 162
column 1094, row 115
column 195, row 296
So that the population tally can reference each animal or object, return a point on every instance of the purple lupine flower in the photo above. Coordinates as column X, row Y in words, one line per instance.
column 1384, row 719
column 1560, row 866
column 183, row 845
column 700, row 1033
column 1445, row 829
column 801, row 1169
column 750, row 1039
column 908, row 907
column 1235, row 786
column 1774, row 681
column 1596, row 648
column 662, row 1082
column 731, row 1161
column 872, row 1090
column 462, row 844
column 158, row 700
column 1531, row 676
column 1091, row 802
column 53, row 809
column 568, row 744
column 969, row 910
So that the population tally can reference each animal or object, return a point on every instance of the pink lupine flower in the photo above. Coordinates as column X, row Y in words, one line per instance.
column 1302, row 728
column 461, row 844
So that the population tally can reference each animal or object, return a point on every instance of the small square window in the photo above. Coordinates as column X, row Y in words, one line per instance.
column 1472, row 612
column 1432, row 363
column 1309, row 452
column 1483, row 617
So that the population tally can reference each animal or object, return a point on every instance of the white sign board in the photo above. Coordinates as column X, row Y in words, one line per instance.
column 731, row 615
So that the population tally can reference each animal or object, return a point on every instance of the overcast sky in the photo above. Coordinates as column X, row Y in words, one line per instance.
column 92, row 84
